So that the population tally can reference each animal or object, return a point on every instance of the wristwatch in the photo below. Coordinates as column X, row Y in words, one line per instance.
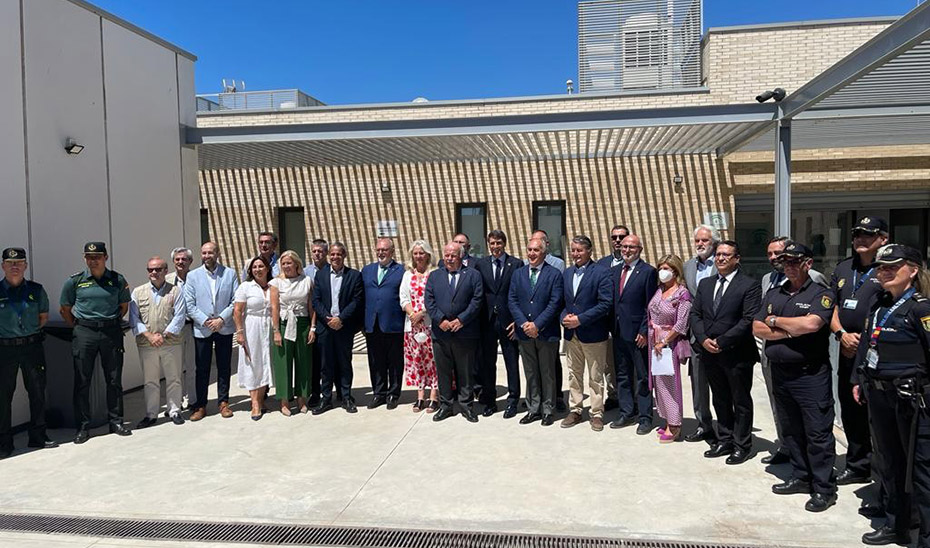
column 838, row 334
column 772, row 321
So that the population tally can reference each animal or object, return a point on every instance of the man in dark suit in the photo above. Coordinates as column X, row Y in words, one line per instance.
column 453, row 300
column 617, row 235
column 634, row 284
column 721, row 320
column 338, row 299
column 586, row 319
column 384, row 325
column 535, row 300
column 497, row 327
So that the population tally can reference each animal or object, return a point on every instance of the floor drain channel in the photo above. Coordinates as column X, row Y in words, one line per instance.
column 340, row 537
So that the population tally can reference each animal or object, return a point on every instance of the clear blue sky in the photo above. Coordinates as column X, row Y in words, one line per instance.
column 369, row 51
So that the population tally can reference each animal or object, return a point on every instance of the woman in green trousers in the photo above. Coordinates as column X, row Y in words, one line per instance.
column 292, row 359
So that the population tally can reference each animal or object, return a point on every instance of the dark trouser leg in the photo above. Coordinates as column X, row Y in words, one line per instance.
column 84, row 348
column 316, row 369
column 723, row 400
column 559, row 394
column 626, row 376
column 855, row 422
column 8, row 369
column 111, row 359
column 377, row 361
column 445, row 363
column 529, row 351
column 223, row 365
column 203, row 358
column 548, row 355
column 281, row 359
column 790, row 416
column 484, row 370
column 641, row 371
column 511, row 352
column 303, row 360
column 814, row 394
column 700, row 392
column 921, row 488
column 33, row 368
column 394, row 350
column 891, row 418
column 465, row 354
column 327, row 344
column 740, row 383
column 343, row 352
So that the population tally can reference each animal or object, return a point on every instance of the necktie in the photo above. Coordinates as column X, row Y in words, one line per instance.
column 497, row 269
column 719, row 294
column 534, row 273
column 452, row 281
column 626, row 270
column 381, row 272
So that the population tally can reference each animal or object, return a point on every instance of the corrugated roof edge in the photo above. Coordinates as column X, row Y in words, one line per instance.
column 129, row 26
column 813, row 23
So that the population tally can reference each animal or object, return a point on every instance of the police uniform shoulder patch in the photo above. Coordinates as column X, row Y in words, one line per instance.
column 770, row 308
column 841, row 283
column 826, row 301
column 925, row 321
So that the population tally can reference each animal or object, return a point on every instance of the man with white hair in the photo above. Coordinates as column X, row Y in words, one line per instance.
column 697, row 268
column 183, row 257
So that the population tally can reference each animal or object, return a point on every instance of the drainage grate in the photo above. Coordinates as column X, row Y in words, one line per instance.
column 308, row 535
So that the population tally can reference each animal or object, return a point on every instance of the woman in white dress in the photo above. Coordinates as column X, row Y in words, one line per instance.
column 291, row 355
column 255, row 319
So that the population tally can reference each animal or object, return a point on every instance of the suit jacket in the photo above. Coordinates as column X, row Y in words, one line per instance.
column 591, row 304
column 630, row 307
column 351, row 300
column 607, row 261
column 690, row 273
column 731, row 325
column 540, row 305
column 464, row 303
column 496, row 292
column 203, row 305
column 382, row 301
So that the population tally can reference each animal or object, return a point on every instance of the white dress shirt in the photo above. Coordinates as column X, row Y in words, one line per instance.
column 335, row 284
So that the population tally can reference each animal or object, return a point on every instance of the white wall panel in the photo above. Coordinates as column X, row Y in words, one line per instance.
column 187, row 112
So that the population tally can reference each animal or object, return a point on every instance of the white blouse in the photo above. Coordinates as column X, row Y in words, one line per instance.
column 294, row 297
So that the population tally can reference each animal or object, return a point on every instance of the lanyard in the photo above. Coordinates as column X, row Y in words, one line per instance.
column 878, row 325
column 858, row 281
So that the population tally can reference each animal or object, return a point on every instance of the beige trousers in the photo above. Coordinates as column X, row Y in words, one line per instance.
column 595, row 356
column 166, row 358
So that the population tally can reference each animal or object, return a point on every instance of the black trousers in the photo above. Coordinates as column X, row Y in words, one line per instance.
column 731, row 385
column 804, row 400
column 30, row 359
column 631, row 364
column 336, row 351
column 86, row 344
column 700, row 389
column 855, row 419
column 455, row 361
column 540, row 360
column 203, row 357
column 492, row 335
column 385, row 362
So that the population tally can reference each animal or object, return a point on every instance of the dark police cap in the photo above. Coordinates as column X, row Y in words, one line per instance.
column 871, row 225
column 795, row 250
column 95, row 247
column 14, row 254
column 896, row 253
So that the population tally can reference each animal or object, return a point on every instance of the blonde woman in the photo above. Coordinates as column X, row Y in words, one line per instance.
column 419, row 363
column 291, row 356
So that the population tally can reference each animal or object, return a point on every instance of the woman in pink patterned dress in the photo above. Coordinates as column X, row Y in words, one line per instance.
column 419, row 364
column 667, row 315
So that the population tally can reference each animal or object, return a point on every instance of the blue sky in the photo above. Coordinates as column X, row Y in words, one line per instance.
column 381, row 51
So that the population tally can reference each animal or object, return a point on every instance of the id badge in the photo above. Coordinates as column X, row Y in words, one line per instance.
column 850, row 304
column 871, row 358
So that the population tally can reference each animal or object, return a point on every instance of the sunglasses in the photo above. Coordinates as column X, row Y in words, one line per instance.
column 617, row 237
column 159, row 269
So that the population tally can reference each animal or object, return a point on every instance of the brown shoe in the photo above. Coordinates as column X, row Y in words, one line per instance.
column 198, row 414
column 597, row 424
column 571, row 420
column 225, row 410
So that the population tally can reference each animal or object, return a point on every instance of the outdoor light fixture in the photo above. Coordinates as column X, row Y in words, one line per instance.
column 569, row 86
column 677, row 179
column 73, row 147
column 385, row 186
column 778, row 94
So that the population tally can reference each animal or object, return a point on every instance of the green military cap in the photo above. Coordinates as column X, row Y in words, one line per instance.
column 95, row 247
column 14, row 254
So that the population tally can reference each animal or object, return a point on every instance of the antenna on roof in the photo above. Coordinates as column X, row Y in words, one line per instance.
column 242, row 84
column 230, row 88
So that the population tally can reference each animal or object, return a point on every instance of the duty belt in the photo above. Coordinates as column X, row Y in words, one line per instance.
column 23, row 341
column 97, row 324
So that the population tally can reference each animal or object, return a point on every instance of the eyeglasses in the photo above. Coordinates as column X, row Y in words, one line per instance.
column 724, row 255
column 890, row 267
column 159, row 269
column 630, row 247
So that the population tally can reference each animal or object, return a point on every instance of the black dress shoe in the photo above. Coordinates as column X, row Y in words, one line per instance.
column 469, row 415
column 43, row 444
column 81, row 436
column 776, row 458
column 392, row 402
column 547, row 420
column 739, row 456
column 323, row 407
column 177, row 419
column 644, row 428
column 871, row 510
column 120, row 430
column 349, row 405
column 443, row 414
column 793, row 486
column 510, row 412
column 849, row 477
column 622, row 421
column 718, row 450
column 146, row 422
column 376, row 402
column 489, row 410
column 530, row 417
column 886, row 535
column 699, row 435
column 820, row 502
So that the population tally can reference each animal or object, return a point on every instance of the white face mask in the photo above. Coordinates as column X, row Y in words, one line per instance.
column 666, row 276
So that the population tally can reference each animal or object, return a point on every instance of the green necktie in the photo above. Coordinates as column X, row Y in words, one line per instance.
column 534, row 272
column 382, row 270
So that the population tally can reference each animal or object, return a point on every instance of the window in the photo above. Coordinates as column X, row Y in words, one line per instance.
column 550, row 216
column 472, row 220
column 292, row 232
column 204, row 226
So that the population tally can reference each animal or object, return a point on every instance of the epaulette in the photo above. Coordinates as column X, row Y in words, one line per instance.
column 919, row 298
column 77, row 274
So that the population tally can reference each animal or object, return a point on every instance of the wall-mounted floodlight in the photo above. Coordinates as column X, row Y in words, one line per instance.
column 778, row 94
column 73, row 147
column 385, row 186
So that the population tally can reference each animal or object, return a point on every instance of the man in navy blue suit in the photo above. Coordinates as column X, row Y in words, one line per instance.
column 384, row 325
column 617, row 234
column 535, row 300
column 586, row 319
column 338, row 299
column 497, row 327
column 634, row 284
column 453, row 301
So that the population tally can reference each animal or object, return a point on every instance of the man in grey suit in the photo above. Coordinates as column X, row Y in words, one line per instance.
column 696, row 269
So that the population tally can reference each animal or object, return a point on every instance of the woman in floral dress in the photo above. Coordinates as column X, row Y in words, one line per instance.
column 419, row 364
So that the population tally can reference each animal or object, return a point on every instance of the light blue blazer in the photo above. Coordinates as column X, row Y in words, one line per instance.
column 200, row 301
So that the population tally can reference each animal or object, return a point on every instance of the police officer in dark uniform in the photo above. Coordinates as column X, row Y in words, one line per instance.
column 893, row 364
column 855, row 289
column 23, row 312
column 94, row 301
column 794, row 323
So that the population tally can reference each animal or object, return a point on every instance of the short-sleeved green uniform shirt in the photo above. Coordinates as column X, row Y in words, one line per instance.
column 20, row 307
column 95, row 299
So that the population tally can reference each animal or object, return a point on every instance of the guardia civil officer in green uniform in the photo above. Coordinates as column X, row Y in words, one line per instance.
column 23, row 312
column 94, row 301
column 893, row 365
column 794, row 322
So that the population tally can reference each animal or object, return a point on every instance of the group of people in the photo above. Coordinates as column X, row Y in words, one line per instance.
column 437, row 324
